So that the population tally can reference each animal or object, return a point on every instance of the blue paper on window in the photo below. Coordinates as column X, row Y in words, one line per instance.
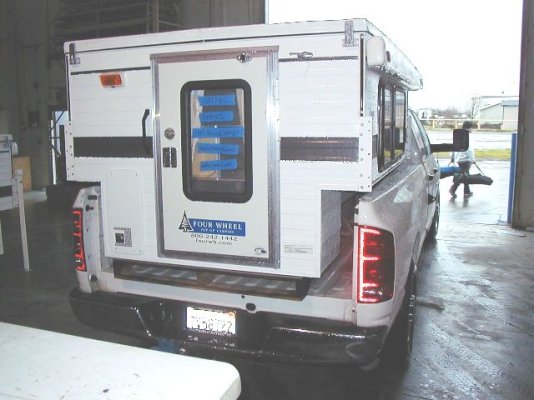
column 218, row 165
column 232, row 131
column 216, row 116
column 216, row 148
column 225, row 100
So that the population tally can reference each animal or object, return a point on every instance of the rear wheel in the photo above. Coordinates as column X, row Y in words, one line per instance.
column 400, row 342
column 433, row 232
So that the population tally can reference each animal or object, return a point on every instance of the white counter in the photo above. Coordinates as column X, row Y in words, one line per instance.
column 37, row 364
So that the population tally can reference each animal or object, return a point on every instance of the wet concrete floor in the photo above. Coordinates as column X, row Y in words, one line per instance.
column 474, row 328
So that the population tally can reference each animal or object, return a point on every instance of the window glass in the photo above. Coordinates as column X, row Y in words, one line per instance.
column 416, row 135
column 424, row 135
column 387, row 132
column 392, row 103
column 216, row 140
column 400, row 124
column 375, row 146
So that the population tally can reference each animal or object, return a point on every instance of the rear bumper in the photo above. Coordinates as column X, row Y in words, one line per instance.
column 259, row 335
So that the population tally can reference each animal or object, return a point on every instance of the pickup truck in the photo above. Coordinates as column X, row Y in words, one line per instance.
column 262, row 191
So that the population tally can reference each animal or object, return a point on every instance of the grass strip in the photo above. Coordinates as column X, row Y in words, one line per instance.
column 485, row 154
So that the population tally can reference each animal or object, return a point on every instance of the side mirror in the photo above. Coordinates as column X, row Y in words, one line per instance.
column 460, row 139
column 460, row 142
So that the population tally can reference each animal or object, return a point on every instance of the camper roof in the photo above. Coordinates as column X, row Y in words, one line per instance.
column 398, row 63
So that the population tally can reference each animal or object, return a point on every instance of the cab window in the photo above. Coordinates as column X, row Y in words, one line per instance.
column 420, row 135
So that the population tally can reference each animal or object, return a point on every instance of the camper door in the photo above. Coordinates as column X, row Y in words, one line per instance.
column 216, row 155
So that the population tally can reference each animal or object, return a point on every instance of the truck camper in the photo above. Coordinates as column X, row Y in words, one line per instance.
column 259, row 190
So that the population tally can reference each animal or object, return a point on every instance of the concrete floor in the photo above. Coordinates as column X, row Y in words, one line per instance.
column 474, row 328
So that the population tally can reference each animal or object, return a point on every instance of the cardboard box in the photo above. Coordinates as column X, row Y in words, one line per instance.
column 24, row 164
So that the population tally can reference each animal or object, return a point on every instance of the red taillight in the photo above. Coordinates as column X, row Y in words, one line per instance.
column 376, row 265
column 77, row 234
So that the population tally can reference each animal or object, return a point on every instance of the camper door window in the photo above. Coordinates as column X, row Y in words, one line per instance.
column 216, row 140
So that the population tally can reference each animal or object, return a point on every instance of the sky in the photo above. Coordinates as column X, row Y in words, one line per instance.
column 463, row 48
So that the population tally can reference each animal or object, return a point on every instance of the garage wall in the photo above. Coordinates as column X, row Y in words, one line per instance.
column 204, row 13
column 8, row 68
column 523, row 210
column 25, row 77
column 32, row 77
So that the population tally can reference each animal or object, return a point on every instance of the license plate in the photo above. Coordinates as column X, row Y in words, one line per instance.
column 211, row 321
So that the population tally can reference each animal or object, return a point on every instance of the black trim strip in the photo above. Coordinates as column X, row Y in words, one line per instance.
column 100, row 71
column 112, row 147
column 340, row 149
column 6, row 191
column 337, row 58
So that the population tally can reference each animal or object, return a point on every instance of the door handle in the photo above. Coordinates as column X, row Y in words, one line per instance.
column 435, row 169
column 143, row 126
column 430, row 177
column 431, row 199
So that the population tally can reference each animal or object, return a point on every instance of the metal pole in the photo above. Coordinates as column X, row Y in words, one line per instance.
column 22, row 215
column 511, row 184
column 1, row 240
column 523, row 213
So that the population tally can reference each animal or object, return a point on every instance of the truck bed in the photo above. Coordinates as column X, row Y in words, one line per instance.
column 335, row 282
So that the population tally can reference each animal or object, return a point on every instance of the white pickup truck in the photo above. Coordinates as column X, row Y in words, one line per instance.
column 260, row 190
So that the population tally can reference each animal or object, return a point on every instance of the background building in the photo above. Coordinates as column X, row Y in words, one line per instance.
column 503, row 114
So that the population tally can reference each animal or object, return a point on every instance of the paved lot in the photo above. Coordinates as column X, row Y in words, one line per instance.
column 474, row 329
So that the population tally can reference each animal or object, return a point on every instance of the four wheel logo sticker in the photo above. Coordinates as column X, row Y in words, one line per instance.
column 185, row 225
column 212, row 226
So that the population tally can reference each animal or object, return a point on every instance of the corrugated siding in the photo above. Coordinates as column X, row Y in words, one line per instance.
column 319, row 98
column 316, row 99
column 306, row 232
column 99, row 111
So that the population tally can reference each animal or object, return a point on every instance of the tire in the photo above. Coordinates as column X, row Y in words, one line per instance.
column 399, row 344
column 434, row 226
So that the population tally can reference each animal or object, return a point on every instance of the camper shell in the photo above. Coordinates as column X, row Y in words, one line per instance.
column 233, row 169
